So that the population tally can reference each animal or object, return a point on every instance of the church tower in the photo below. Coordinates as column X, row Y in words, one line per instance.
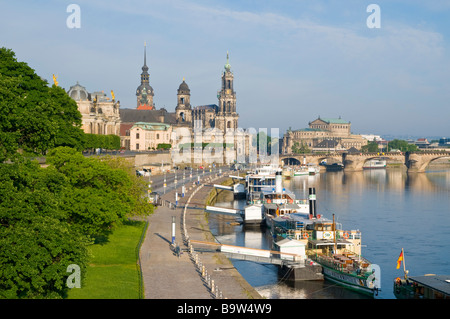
column 183, row 109
column 144, row 92
column 227, row 118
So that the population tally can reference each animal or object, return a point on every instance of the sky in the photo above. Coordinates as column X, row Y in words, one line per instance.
column 292, row 60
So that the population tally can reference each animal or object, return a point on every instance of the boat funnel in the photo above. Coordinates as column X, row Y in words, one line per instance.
column 278, row 182
column 312, row 202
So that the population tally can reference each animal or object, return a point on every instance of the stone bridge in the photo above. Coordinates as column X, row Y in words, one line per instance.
column 297, row 159
column 418, row 161
column 414, row 161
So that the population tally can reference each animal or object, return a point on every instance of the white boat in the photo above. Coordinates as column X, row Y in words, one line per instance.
column 257, row 180
column 280, row 201
column 313, row 169
column 338, row 251
column 301, row 171
column 373, row 164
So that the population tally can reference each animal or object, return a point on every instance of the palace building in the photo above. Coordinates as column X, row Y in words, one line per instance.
column 222, row 117
column 323, row 135
column 103, row 115
column 100, row 114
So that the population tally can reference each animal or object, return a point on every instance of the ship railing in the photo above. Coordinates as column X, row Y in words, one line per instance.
column 331, row 262
column 356, row 257
column 346, row 234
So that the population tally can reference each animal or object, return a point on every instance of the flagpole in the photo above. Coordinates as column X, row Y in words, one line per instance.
column 404, row 264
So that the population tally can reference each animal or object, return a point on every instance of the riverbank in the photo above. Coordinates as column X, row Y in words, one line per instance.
column 198, row 272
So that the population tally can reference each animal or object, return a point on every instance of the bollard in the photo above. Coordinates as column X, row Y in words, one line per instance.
column 173, row 229
column 212, row 286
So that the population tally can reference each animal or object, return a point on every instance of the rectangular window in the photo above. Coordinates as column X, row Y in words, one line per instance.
column 137, row 135
column 137, row 146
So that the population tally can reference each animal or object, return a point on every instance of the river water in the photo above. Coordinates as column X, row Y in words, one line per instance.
column 393, row 210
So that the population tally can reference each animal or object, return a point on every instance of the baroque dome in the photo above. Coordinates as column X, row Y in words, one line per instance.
column 78, row 92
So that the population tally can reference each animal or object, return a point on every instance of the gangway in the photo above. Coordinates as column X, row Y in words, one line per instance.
column 224, row 210
column 256, row 254
column 238, row 189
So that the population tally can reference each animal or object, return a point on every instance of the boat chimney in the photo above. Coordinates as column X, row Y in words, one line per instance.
column 312, row 202
column 278, row 182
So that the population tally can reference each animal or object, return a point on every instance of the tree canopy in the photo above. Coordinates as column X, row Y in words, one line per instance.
column 402, row 145
column 49, row 215
column 33, row 116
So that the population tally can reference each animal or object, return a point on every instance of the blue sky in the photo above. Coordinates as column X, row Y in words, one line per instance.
column 292, row 60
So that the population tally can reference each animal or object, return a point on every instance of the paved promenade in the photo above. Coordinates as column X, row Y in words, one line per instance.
column 168, row 276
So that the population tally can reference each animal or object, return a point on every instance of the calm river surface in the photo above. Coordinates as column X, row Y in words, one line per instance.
column 393, row 210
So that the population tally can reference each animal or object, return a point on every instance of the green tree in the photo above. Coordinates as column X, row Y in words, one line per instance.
column 102, row 193
column 37, row 241
column 298, row 148
column 96, row 200
column 33, row 116
column 371, row 147
column 402, row 145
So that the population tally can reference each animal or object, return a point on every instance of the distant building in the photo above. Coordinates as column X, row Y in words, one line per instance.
column 148, row 136
column 221, row 117
column 422, row 143
column 320, row 130
column 144, row 92
column 444, row 142
column 130, row 117
column 100, row 114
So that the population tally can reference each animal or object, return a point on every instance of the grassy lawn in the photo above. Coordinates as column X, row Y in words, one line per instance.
column 113, row 271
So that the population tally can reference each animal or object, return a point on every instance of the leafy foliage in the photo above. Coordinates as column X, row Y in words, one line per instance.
column 371, row 147
column 402, row 145
column 109, row 142
column 33, row 116
column 300, row 148
column 100, row 196
column 37, row 243
column 49, row 216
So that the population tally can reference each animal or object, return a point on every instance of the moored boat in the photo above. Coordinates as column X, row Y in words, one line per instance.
column 258, row 180
column 375, row 164
column 428, row 286
column 338, row 251
column 301, row 171
column 334, row 167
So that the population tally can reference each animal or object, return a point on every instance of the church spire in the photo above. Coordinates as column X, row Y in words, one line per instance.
column 228, row 66
column 145, row 67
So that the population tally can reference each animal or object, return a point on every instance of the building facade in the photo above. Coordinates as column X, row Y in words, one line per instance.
column 319, row 132
column 210, row 119
column 100, row 114
column 149, row 136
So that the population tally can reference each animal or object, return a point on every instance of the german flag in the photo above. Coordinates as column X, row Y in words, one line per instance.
column 400, row 259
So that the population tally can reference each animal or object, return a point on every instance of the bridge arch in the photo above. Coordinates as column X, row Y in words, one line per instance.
column 290, row 161
column 418, row 162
